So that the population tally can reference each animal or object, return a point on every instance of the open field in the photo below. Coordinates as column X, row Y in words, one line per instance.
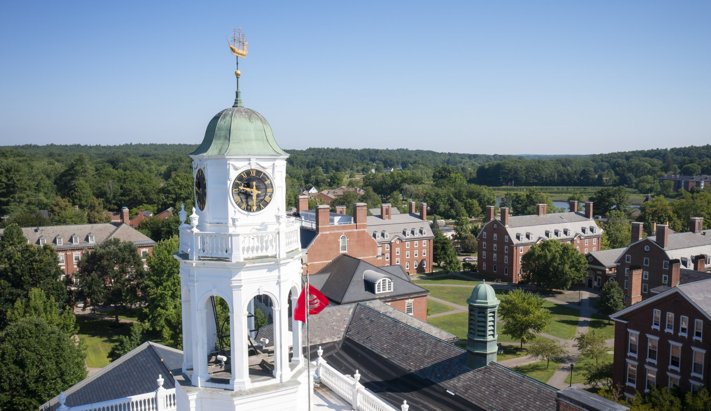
column 98, row 336
column 538, row 370
column 433, row 307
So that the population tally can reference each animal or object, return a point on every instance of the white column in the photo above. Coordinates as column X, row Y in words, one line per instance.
column 278, row 342
column 238, row 340
column 295, row 333
column 187, row 329
column 250, row 320
column 200, row 350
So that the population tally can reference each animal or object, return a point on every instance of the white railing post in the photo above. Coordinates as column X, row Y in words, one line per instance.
column 160, row 394
column 405, row 406
column 62, row 400
column 319, row 365
column 356, row 378
column 194, row 247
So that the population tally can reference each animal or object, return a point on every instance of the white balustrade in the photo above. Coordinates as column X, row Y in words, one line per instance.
column 159, row 400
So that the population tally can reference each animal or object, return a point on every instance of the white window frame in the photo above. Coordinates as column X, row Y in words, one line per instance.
column 652, row 340
column 632, row 341
column 397, row 251
column 669, row 325
column 698, row 329
column 397, row 261
column 656, row 319
column 673, row 380
column 424, row 252
column 645, row 288
column 59, row 241
column 665, row 279
column 630, row 365
column 674, row 367
column 407, row 265
column 645, row 275
column 702, row 352
column 343, row 244
column 696, row 386
column 407, row 244
column 410, row 307
column 649, row 371
column 506, row 238
column 407, row 254
column 665, row 264
column 683, row 326
column 645, row 261
column 76, row 257
column 61, row 259
column 424, row 243
column 496, row 237
column 416, row 253
column 384, row 285
column 628, row 258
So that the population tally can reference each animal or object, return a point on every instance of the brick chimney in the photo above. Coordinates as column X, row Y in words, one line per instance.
column 423, row 211
column 341, row 210
column 662, row 235
column 635, row 285
column 385, row 211
column 573, row 204
column 589, row 210
column 637, row 229
column 700, row 262
column 696, row 224
column 360, row 215
column 323, row 216
column 411, row 207
column 504, row 216
column 542, row 208
column 125, row 219
column 490, row 210
column 674, row 273
column 303, row 204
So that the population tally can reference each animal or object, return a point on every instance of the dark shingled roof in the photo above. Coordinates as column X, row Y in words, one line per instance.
column 134, row 373
column 344, row 280
column 400, row 362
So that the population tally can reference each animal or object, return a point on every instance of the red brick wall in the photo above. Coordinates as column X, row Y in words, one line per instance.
column 419, row 306
column 416, row 263
column 326, row 246
column 655, row 267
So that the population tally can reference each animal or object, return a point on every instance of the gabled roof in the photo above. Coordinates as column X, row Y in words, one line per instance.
column 606, row 258
column 684, row 240
column 528, row 229
column 100, row 232
column 345, row 280
column 405, row 226
column 698, row 293
column 134, row 373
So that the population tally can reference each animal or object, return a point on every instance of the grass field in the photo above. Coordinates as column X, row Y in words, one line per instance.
column 454, row 323
column 564, row 321
column 603, row 327
column 538, row 370
column 448, row 281
column 455, row 295
column 433, row 307
column 98, row 336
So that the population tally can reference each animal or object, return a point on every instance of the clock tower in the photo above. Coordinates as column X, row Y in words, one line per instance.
column 240, row 270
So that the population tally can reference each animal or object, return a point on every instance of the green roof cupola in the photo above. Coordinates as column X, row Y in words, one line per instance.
column 482, row 334
column 239, row 131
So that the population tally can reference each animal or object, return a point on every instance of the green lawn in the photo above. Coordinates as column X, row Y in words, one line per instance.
column 511, row 351
column 564, row 321
column 454, row 323
column 446, row 281
column 433, row 307
column 604, row 327
column 456, row 295
column 538, row 370
column 98, row 336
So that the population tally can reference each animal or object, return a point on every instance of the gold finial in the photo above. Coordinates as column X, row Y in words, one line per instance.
column 239, row 45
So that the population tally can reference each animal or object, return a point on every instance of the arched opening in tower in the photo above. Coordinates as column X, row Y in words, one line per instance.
column 261, row 337
column 217, row 321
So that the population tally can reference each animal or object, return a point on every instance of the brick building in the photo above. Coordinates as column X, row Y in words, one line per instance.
column 72, row 241
column 326, row 196
column 602, row 266
column 348, row 280
column 658, row 260
column 688, row 183
column 123, row 216
column 665, row 340
column 504, row 241
column 390, row 238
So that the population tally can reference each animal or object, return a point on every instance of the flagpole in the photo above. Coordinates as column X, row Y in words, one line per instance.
column 308, row 344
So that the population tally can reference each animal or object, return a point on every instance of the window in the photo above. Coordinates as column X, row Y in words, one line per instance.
column 645, row 288
column 506, row 250
column 698, row 329
column 407, row 254
column 384, row 285
column 415, row 244
column 387, row 256
column 645, row 262
column 673, row 381
column 483, row 254
column 495, row 248
column 669, row 327
column 506, row 239
column 397, row 251
column 625, row 286
column 483, row 266
column 144, row 253
column 683, row 325
column 594, row 241
column 494, row 267
column 397, row 261
column 42, row 241
column 424, row 264
column 407, row 244
column 496, row 237
column 483, row 235
column 424, row 243
column 646, row 248
column 520, row 249
column 628, row 258
column 674, row 355
column 91, row 239
column 60, row 256
column 506, row 259
column 424, row 252
column 387, row 247
column 344, row 244
column 645, row 275
column 650, row 379
column 665, row 264
column 656, row 318
column 77, row 257
column 74, row 239
column 632, row 343
column 59, row 240
column 696, row 386
column 416, row 253
column 587, row 241
column 665, row 279
column 407, row 265
column 409, row 307
column 697, row 363
column 652, row 348
column 631, row 374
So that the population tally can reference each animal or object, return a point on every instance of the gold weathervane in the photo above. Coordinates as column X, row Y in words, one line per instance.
column 239, row 46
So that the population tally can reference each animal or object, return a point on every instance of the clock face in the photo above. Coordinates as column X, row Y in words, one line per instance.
column 200, row 189
column 252, row 190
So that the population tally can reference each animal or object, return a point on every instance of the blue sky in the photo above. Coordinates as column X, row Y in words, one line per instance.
column 505, row 77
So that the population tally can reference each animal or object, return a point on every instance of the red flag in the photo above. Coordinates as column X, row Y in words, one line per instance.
column 317, row 302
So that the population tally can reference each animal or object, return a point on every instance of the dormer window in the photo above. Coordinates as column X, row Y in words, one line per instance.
column 42, row 241
column 557, row 232
column 548, row 233
column 592, row 229
column 584, row 230
column 566, row 232
column 422, row 231
column 90, row 238
column 518, row 236
column 74, row 239
column 384, row 285
column 58, row 240
column 412, row 232
column 528, row 236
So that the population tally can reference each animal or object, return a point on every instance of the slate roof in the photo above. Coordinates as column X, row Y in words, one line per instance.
column 404, row 226
column 526, row 229
column 607, row 258
column 589, row 400
column 698, row 293
column 683, row 246
column 346, row 280
column 101, row 232
column 400, row 362
column 134, row 373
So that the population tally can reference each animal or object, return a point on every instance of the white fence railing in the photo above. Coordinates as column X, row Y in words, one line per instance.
column 350, row 389
column 158, row 400
column 199, row 245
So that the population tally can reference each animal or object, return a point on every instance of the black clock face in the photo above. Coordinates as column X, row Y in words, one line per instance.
column 252, row 190
column 200, row 189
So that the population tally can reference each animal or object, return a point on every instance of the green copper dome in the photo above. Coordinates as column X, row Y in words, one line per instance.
column 483, row 295
column 239, row 131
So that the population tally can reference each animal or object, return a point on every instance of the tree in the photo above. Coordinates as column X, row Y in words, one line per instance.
column 444, row 254
column 159, row 229
column 664, row 399
column 597, row 374
column 39, row 305
column 127, row 343
column 700, row 401
column 526, row 203
column 162, row 288
column 659, row 210
column 552, row 264
column 611, row 299
column 524, row 315
column 591, row 345
column 610, row 198
column 112, row 274
column 546, row 349
column 618, row 230
column 38, row 361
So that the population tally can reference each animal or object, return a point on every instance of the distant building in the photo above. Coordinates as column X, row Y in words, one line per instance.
column 688, row 182
column 602, row 266
column 658, row 260
column 503, row 242
column 665, row 341
column 389, row 238
column 73, row 241
column 123, row 217
column 326, row 196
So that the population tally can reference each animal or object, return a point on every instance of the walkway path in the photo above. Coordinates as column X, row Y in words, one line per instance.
column 455, row 308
